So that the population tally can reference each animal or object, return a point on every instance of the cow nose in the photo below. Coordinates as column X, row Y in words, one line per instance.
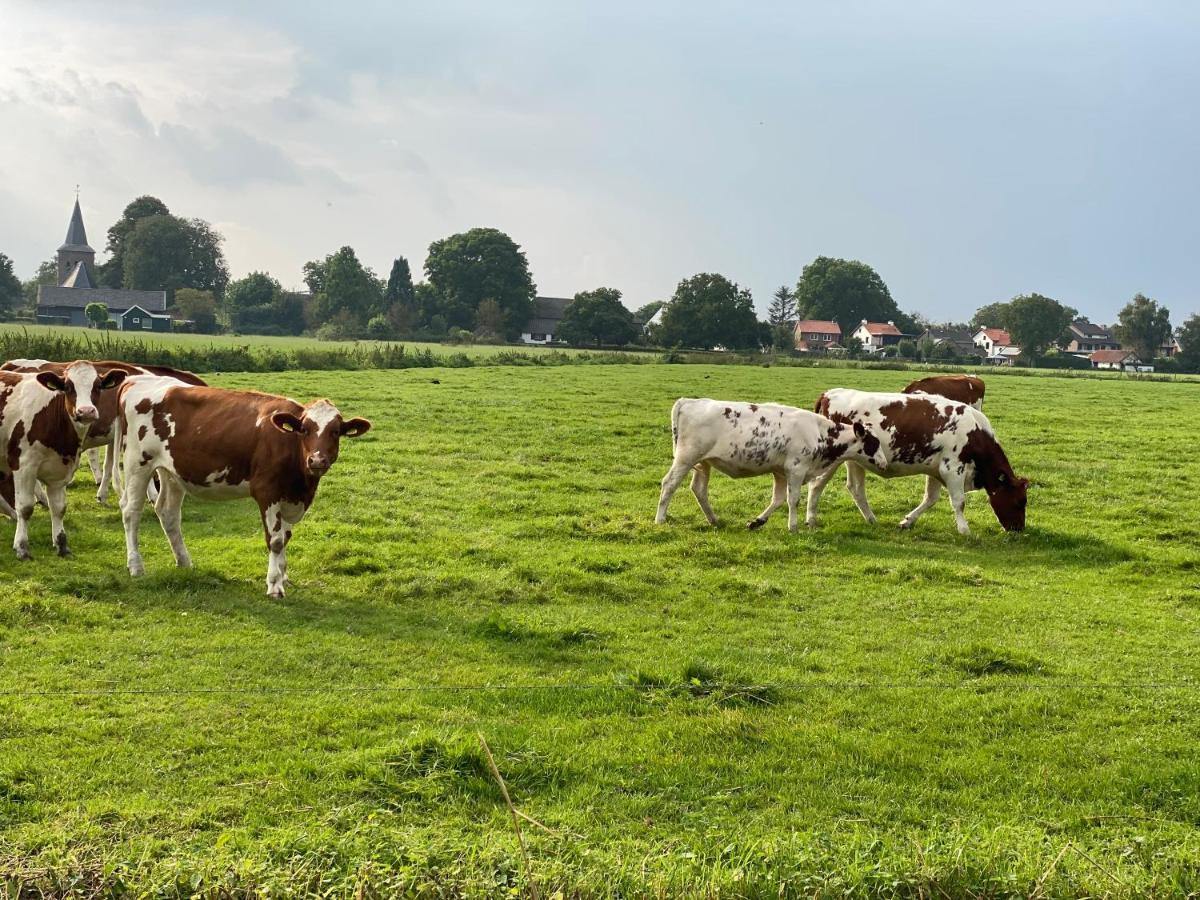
column 318, row 462
column 86, row 413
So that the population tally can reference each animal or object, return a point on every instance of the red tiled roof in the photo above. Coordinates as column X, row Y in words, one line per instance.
column 881, row 328
column 1111, row 356
column 818, row 326
column 998, row 336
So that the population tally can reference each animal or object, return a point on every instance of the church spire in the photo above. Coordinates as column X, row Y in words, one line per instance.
column 76, row 235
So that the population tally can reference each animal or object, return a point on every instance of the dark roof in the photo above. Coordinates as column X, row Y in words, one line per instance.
column 546, row 314
column 78, row 298
column 144, row 311
column 1085, row 329
column 78, row 277
column 952, row 335
column 76, row 235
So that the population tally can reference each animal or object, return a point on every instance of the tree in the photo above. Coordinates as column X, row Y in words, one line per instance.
column 709, row 310
column 47, row 273
column 489, row 321
column 252, row 302
column 907, row 348
column 645, row 313
column 846, row 291
column 1143, row 327
column 399, row 290
column 343, row 288
column 597, row 317
column 991, row 315
column 1189, row 343
column 466, row 269
column 167, row 253
column 198, row 306
column 10, row 287
column 96, row 313
column 1035, row 322
column 782, row 309
column 112, row 273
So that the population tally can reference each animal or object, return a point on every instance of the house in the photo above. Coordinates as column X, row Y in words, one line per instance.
column 945, row 340
column 1170, row 347
column 1122, row 360
column 877, row 335
column 817, row 335
column 542, row 327
column 996, row 343
column 64, row 303
column 655, row 319
column 137, row 319
column 1084, row 338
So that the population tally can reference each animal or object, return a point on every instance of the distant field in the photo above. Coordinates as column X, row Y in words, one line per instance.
column 853, row 710
column 254, row 340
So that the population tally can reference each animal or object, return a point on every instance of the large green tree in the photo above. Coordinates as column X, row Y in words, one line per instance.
column 399, row 291
column 343, row 288
column 709, row 310
column 597, row 317
column 167, row 253
column 1143, row 327
column 10, row 287
column 1035, row 323
column 47, row 273
column 112, row 272
column 991, row 315
column 480, row 264
column 198, row 306
column 1189, row 343
column 645, row 313
column 846, row 291
column 252, row 303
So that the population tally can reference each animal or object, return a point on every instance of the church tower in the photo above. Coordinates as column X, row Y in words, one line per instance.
column 76, row 259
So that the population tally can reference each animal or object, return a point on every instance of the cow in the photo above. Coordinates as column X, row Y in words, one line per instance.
column 746, row 439
column 224, row 444
column 100, row 433
column 966, row 389
column 924, row 434
column 44, row 418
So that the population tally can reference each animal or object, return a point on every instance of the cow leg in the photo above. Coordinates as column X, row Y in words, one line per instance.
column 815, row 488
column 39, row 494
column 24, row 484
column 933, row 490
column 795, row 483
column 106, row 474
column 856, row 484
column 778, row 498
column 93, row 458
column 169, row 509
column 958, row 502
column 670, row 484
column 56, row 494
column 134, row 499
column 7, row 500
column 278, row 532
column 700, row 489
column 153, row 488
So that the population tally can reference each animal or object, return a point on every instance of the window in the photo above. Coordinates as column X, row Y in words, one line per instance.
column 136, row 320
column 147, row 324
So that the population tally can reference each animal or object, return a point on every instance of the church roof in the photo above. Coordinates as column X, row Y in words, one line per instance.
column 76, row 235
column 78, row 277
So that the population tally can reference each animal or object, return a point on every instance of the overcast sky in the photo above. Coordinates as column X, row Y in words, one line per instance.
column 967, row 151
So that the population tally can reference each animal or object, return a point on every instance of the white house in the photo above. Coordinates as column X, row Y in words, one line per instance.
column 877, row 335
column 998, row 345
column 542, row 327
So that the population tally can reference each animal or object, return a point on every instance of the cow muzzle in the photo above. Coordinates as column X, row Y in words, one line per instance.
column 318, row 464
column 86, row 414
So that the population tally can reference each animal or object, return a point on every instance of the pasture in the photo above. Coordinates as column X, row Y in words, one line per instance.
column 849, row 710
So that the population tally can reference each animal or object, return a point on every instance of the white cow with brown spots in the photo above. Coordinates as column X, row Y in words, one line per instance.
column 222, row 444
column 747, row 439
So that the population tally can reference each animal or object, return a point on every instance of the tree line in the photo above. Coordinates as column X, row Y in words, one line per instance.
column 477, row 286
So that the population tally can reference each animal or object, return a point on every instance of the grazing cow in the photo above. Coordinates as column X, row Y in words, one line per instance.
column 100, row 433
column 44, row 418
column 966, row 389
column 223, row 444
column 745, row 439
column 924, row 434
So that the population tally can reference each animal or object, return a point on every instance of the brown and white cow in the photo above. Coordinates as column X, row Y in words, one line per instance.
column 223, row 444
column 966, row 389
column 44, row 418
column 100, row 433
column 925, row 434
column 745, row 439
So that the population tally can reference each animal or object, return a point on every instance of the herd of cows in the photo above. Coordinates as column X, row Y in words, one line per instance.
column 935, row 428
column 175, row 436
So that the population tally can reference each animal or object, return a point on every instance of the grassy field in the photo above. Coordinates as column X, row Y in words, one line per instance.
column 851, row 710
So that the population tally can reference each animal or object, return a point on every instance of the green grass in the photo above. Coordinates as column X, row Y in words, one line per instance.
column 851, row 710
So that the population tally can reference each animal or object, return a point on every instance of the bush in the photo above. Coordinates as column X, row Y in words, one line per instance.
column 379, row 328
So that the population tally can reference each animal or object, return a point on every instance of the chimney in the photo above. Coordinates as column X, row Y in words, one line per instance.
column 890, row 322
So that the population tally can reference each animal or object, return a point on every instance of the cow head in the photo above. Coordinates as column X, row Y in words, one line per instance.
column 80, row 384
column 1008, row 496
column 319, row 429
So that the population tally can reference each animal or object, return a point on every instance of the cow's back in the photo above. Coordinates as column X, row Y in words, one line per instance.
column 968, row 389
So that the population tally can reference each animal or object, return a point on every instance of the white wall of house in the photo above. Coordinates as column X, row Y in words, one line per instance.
column 530, row 338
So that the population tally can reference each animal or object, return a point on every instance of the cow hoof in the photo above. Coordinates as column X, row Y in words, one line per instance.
column 23, row 554
column 275, row 594
column 906, row 524
column 137, row 571
column 755, row 524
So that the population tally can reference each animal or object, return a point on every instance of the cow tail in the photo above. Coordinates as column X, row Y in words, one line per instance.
column 675, row 422
column 116, row 448
column 822, row 406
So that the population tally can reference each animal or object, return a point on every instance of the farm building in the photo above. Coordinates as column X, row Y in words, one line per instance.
column 65, row 302
column 817, row 334
column 137, row 319
column 1124, row 360
column 542, row 327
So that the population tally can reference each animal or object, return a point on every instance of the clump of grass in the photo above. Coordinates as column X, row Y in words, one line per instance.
column 702, row 680
column 980, row 660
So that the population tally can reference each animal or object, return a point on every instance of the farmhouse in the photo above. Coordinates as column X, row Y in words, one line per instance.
column 877, row 335
column 542, row 327
column 65, row 302
column 817, row 334
column 1125, row 360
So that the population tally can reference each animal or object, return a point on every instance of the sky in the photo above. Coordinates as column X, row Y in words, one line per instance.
column 967, row 151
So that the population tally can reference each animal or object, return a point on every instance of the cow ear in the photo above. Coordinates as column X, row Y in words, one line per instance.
column 355, row 428
column 51, row 381
column 111, row 379
column 859, row 430
column 286, row 422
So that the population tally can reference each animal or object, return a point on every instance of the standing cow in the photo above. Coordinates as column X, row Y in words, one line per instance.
column 924, row 434
column 745, row 439
column 223, row 444
column 966, row 389
column 44, row 418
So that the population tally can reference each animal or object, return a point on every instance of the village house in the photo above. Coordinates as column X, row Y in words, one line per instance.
column 945, row 340
column 817, row 335
column 65, row 302
column 875, row 336
column 1122, row 360
column 998, row 345
column 542, row 327
column 1084, row 338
